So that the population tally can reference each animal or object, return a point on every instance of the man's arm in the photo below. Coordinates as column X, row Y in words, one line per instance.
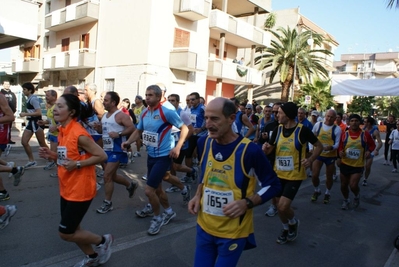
column 8, row 116
column 247, row 123
column 377, row 136
column 99, row 108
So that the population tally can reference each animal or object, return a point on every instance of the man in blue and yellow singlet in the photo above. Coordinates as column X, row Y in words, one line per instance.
column 230, row 166
column 290, row 139
column 355, row 147
column 329, row 135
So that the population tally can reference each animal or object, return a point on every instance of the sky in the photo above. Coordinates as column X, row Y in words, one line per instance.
column 359, row 26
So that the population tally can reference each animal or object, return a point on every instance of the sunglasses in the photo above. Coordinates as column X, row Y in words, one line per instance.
column 193, row 99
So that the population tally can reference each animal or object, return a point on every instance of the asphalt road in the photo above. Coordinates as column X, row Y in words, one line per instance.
column 328, row 236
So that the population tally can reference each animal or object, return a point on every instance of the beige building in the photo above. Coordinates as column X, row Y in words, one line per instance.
column 126, row 45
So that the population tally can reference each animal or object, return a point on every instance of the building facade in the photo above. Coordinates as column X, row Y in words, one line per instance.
column 126, row 45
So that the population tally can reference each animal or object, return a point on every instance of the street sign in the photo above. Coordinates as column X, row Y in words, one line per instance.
column 308, row 99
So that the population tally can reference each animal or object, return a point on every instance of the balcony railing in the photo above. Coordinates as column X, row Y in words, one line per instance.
column 234, row 73
column 238, row 32
column 192, row 9
column 75, row 59
column 185, row 60
column 73, row 15
column 27, row 65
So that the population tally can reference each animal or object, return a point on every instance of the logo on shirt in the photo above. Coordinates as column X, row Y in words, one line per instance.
column 157, row 117
column 219, row 156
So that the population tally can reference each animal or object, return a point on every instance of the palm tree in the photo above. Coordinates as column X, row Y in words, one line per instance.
column 280, row 56
column 392, row 3
column 320, row 92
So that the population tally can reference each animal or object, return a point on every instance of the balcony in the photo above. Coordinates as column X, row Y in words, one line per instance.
column 73, row 15
column 192, row 9
column 27, row 65
column 238, row 32
column 184, row 60
column 233, row 73
column 76, row 59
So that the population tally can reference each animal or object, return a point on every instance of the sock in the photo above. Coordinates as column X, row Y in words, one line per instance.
column 169, row 210
column 292, row 221
column 102, row 241
column 107, row 201
column 327, row 192
column 285, row 226
column 14, row 170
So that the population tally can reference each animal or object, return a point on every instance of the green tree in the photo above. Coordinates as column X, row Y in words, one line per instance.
column 392, row 3
column 280, row 57
column 320, row 92
column 388, row 105
column 362, row 104
column 270, row 21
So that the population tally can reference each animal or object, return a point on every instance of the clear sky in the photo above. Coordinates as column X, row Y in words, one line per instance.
column 359, row 26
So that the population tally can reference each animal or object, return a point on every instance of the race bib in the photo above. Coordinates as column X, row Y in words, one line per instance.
column 193, row 118
column 352, row 153
column 213, row 201
column 108, row 143
column 61, row 154
column 150, row 139
column 285, row 163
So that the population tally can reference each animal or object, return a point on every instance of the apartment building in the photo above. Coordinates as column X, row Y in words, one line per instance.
column 369, row 65
column 126, row 45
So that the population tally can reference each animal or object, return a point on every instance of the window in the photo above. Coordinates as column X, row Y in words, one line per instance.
column 63, row 83
column 182, row 38
column 224, row 54
column 84, row 41
column 28, row 52
column 109, row 85
column 48, row 7
column 354, row 66
column 65, row 45
column 46, row 43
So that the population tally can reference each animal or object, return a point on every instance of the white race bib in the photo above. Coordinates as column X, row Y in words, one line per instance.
column 193, row 118
column 150, row 139
column 61, row 154
column 213, row 201
column 352, row 153
column 108, row 143
column 285, row 163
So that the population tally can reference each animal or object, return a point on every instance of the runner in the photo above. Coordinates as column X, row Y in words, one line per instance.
column 369, row 126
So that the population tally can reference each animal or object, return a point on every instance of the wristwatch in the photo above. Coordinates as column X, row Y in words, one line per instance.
column 250, row 204
column 78, row 165
column 120, row 134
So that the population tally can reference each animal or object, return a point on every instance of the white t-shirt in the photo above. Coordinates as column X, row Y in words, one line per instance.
column 394, row 136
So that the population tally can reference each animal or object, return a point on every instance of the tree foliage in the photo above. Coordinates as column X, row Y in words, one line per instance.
column 362, row 104
column 320, row 92
column 393, row 3
column 388, row 105
column 280, row 57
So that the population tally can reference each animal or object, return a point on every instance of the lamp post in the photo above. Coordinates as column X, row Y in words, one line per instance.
column 310, row 42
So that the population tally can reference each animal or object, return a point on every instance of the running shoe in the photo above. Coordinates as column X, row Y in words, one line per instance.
column 144, row 177
column 385, row 162
column 326, row 198
column 132, row 188
column 293, row 231
column 8, row 149
column 11, row 142
column 105, row 207
column 194, row 173
column 146, row 212
column 98, row 186
column 30, row 164
column 88, row 262
column 49, row 165
column 186, row 179
column 155, row 226
column 136, row 154
column 172, row 189
column 18, row 175
column 166, row 217
column 394, row 170
column 282, row 239
column 187, row 195
column 54, row 175
column 364, row 182
column 4, row 196
column 315, row 196
column 104, row 250
column 335, row 177
column 101, row 181
column 356, row 202
column 6, row 217
column 12, row 165
column 345, row 204
column 100, row 174
column 271, row 211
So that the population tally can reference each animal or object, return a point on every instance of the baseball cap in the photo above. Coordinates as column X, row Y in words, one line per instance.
column 315, row 113
column 248, row 106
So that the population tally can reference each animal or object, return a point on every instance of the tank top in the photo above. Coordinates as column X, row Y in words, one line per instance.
column 109, row 124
